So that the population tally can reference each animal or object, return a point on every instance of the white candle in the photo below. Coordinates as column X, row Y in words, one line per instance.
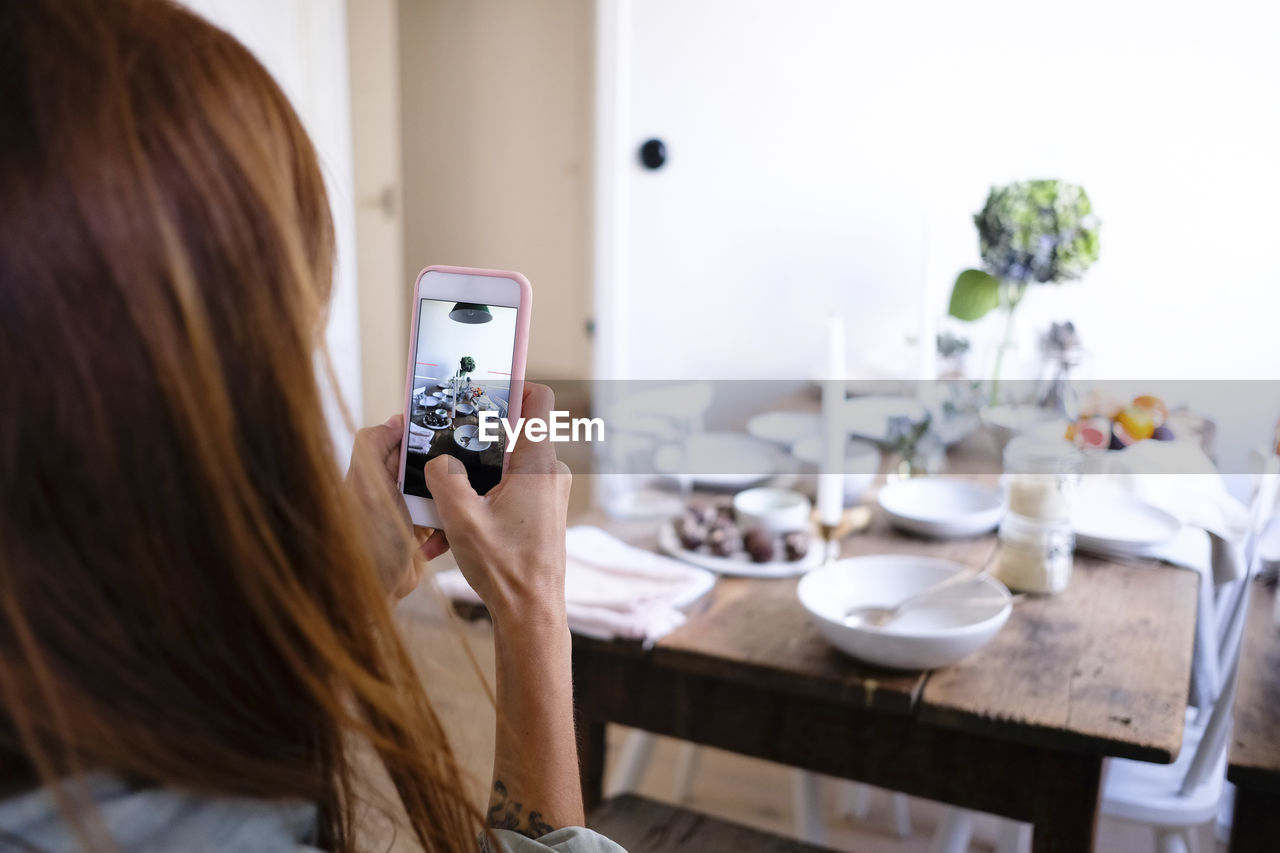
column 831, row 471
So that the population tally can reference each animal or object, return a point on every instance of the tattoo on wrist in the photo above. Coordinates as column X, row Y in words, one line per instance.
column 506, row 813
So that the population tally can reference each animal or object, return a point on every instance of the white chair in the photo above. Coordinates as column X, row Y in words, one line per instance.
column 806, row 789
column 853, row 802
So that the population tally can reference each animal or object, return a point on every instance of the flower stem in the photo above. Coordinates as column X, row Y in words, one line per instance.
column 1012, row 297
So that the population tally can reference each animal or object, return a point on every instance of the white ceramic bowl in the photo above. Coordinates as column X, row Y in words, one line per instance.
column 775, row 510
column 467, row 437
column 942, row 507
column 861, row 465
column 926, row 636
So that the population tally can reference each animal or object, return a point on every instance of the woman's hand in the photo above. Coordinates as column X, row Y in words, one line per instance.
column 375, row 458
column 510, row 546
column 509, row 543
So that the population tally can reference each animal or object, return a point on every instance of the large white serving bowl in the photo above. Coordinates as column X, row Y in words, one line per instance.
column 928, row 635
column 942, row 507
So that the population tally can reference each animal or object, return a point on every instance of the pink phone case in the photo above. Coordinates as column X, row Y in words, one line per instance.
column 520, row 351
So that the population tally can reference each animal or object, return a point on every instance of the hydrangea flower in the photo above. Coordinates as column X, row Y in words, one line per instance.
column 1042, row 231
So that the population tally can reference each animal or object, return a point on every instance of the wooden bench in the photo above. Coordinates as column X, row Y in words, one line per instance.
column 643, row 826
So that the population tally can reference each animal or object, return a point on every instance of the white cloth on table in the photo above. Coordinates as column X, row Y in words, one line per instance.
column 1178, row 477
column 613, row 589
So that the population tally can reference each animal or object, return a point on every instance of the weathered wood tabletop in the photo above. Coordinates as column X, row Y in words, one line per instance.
column 1020, row 728
column 1254, row 760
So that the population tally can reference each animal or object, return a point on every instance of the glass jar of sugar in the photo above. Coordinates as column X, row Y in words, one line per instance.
column 1041, row 477
column 1040, row 481
column 1034, row 557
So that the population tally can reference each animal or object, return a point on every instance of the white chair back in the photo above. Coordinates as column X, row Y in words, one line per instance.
column 1233, row 607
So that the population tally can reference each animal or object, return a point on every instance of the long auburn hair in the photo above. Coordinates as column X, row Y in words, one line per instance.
column 187, row 596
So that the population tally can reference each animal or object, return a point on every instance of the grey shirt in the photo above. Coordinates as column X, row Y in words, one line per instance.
column 157, row 819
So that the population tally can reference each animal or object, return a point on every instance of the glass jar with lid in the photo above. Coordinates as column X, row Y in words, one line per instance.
column 1034, row 557
column 1041, row 477
column 1036, row 541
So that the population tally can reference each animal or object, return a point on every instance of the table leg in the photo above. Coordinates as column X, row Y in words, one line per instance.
column 1066, row 803
column 591, row 747
column 1255, row 822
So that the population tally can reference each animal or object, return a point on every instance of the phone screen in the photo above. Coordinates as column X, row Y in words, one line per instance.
column 462, row 356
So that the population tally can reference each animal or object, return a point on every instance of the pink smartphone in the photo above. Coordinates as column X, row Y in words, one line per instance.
column 467, row 347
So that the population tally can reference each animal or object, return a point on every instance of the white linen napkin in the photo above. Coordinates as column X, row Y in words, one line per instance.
column 1178, row 477
column 613, row 589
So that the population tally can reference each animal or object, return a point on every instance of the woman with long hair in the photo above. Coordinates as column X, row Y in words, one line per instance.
column 195, row 604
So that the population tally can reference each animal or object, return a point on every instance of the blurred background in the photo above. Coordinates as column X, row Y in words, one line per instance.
column 819, row 156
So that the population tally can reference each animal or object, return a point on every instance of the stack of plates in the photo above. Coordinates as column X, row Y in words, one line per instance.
column 1109, row 521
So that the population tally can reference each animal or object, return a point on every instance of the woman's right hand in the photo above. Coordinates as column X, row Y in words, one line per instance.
column 509, row 543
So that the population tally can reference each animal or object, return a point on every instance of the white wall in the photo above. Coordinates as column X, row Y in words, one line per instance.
column 831, row 153
column 303, row 43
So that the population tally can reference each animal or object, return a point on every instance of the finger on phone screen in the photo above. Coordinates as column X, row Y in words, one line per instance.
column 456, row 500
column 534, row 457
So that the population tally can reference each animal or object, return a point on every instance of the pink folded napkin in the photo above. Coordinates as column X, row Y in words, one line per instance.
column 613, row 589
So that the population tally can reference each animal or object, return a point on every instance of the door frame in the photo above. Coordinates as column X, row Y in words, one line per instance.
column 610, row 240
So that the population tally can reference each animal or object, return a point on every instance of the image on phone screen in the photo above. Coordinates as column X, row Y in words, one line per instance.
column 462, row 367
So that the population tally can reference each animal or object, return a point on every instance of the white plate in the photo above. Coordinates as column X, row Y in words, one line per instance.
column 720, row 460
column 1114, row 522
column 942, row 508
column 469, row 431
column 785, row 428
column 413, row 427
column 465, row 409
column 739, row 565
column 927, row 635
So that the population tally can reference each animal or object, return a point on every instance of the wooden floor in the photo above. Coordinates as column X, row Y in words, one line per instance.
column 746, row 791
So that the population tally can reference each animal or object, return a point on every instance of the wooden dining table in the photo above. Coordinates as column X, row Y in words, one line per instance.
column 1019, row 729
column 1253, row 763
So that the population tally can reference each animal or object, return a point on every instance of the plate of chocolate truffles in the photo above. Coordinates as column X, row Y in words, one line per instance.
column 712, row 537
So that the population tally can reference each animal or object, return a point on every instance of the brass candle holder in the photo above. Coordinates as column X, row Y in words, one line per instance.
column 853, row 520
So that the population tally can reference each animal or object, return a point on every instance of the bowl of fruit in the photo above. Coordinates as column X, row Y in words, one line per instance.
column 1109, row 424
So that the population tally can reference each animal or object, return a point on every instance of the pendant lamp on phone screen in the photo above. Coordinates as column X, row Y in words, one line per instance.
column 470, row 313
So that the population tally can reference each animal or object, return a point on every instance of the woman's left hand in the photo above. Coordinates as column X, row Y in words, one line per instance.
column 375, row 460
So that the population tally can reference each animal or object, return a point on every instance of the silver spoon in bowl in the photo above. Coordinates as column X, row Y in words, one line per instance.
column 874, row 616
